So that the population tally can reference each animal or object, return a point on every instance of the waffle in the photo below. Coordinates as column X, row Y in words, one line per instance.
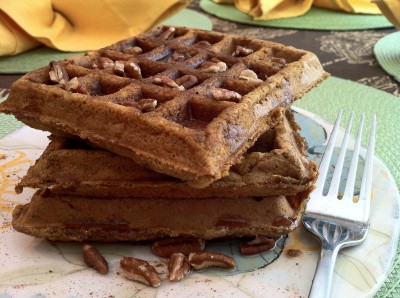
column 275, row 165
column 184, row 102
column 73, row 218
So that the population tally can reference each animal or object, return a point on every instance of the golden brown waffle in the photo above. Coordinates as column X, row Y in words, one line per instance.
column 184, row 102
column 275, row 165
column 72, row 218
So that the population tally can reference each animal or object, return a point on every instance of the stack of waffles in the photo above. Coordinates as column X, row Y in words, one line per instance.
column 175, row 132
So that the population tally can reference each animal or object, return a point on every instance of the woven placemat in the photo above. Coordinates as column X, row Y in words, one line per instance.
column 387, row 52
column 315, row 19
column 326, row 100
column 41, row 56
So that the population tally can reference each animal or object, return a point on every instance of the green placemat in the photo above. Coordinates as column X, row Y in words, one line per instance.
column 41, row 56
column 315, row 19
column 387, row 52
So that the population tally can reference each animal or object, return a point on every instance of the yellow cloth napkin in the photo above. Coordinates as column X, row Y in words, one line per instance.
column 391, row 10
column 277, row 9
column 77, row 25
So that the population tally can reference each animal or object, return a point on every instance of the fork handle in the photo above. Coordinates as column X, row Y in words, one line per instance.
column 321, row 285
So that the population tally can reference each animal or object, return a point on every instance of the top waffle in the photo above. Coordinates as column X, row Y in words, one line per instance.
column 184, row 102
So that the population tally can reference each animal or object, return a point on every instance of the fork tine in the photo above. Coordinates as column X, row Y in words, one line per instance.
column 349, row 190
column 335, row 182
column 324, row 165
column 366, row 183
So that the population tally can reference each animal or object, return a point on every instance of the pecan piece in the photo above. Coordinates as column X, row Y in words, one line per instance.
column 226, row 95
column 257, row 245
column 105, row 62
column 147, row 104
column 187, row 81
column 139, row 270
column 214, row 67
column 119, row 68
column 57, row 73
column 93, row 258
column 201, row 260
column 242, row 51
column 185, row 245
column 250, row 76
column 167, row 33
column 132, row 70
column 178, row 267
column 74, row 85
column 176, row 57
column 168, row 82
column 133, row 50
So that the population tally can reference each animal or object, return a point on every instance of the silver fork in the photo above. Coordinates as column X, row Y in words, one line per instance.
column 339, row 222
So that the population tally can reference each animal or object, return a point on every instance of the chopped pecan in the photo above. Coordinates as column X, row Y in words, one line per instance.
column 167, row 33
column 168, row 82
column 132, row 70
column 119, row 68
column 147, row 104
column 139, row 270
column 201, row 260
column 176, row 57
column 93, row 258
column 185, row 245
column 133, row 50
column 242, row 51
column 105, row 62
column 226, row 95
column 213, row 67
column 178, row 267
column 187, row 81
column 57, row 73
column 249, row 75
column 257, row 245
column 74, row 85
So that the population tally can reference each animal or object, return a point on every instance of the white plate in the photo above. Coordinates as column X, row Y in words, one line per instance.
column 37, row 268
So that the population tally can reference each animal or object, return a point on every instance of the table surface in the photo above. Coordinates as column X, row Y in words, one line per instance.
column 335, row 49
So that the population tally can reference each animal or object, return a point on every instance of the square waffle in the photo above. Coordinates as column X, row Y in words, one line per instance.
column 74, row 218
column 184, row 102
column 275, row 165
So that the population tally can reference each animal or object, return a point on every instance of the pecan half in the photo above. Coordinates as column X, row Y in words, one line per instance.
column 139, row 270
column 242, row 51
column 226, row 95
column 178, row 267
column 201, row 260
column 187, row 81
column 250, row 76
column 93, row 258
column 57, row 73
column 147, row 104
column 168, row 82
column 257, row 245
column 185, row 245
